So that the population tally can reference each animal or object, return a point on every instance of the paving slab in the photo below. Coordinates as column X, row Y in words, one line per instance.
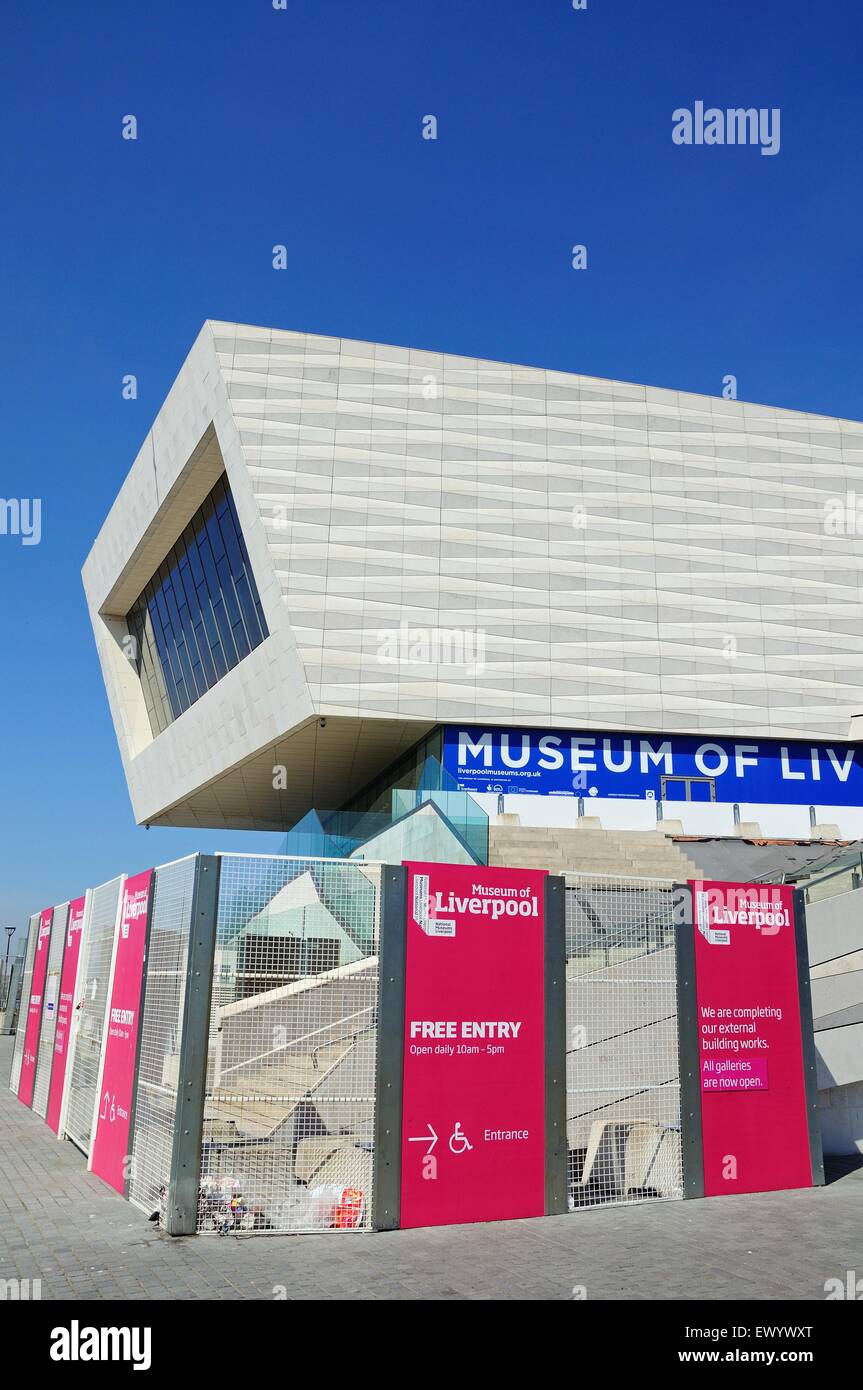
column 64, row 1227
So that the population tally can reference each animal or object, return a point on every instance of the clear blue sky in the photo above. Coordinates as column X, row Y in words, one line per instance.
column 259, row 126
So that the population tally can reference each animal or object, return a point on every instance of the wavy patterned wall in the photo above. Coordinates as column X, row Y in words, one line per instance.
column 616, row 555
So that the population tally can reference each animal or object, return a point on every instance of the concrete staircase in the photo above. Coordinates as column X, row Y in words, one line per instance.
column 628, row 853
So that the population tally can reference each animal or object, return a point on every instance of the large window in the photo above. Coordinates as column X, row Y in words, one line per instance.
column 199, row 615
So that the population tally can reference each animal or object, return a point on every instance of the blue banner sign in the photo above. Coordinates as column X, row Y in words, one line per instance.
column 557, row 762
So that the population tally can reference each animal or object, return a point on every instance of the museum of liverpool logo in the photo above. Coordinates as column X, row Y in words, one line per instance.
column 717, row 910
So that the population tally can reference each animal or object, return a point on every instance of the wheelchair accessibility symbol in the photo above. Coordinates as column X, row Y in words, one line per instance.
column 458, row 1141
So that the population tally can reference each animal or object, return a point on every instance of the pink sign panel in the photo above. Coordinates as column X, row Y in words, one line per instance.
column 473, row 1118
column 34, row 1009
column 110, row 1147
column 65, row 1010
column 755, row 1132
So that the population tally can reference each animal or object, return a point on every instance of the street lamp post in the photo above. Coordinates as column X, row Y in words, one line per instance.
column 10, row 932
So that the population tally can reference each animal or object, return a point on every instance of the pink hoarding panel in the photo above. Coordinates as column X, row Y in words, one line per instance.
column 34, row 1009
column 755, row 1132
column 65, row 1010
column 473, row 1120
column 110, row 1147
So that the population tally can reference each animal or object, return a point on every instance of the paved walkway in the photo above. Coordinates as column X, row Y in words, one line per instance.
column 63, row 1226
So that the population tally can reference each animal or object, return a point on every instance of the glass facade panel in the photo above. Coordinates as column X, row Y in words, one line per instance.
column 406, row 771
column 199, row 615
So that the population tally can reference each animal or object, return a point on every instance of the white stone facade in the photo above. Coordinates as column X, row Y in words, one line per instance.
column 610, row 556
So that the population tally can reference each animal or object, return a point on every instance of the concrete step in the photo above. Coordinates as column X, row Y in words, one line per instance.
column 587, row 838
column 606, row 853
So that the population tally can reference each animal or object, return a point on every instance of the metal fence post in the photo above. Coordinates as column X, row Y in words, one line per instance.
column 185, row 1176
column 556, row 1142
column 687, row 1041
column 389, row 1071
column 807, row 1032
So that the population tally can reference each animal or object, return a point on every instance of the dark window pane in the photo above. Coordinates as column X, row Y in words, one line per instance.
column 247, row 608
column 228, row 595
column 215, row 536
column 199, row 615
column 224, row 626
column 241, row 639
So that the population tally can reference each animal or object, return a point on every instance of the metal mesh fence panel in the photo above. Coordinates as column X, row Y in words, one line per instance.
column 289, row 1111
column 27, row 979
column 13, row 984
column 623, row 1074
column 48, row 1025
column 92, row 994
column 161, row 1031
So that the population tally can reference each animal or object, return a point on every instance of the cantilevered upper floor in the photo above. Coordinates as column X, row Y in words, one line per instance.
column 325, row 548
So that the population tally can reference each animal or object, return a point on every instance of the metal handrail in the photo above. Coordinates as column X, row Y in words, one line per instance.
column 855, row 871
column 780, row 876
